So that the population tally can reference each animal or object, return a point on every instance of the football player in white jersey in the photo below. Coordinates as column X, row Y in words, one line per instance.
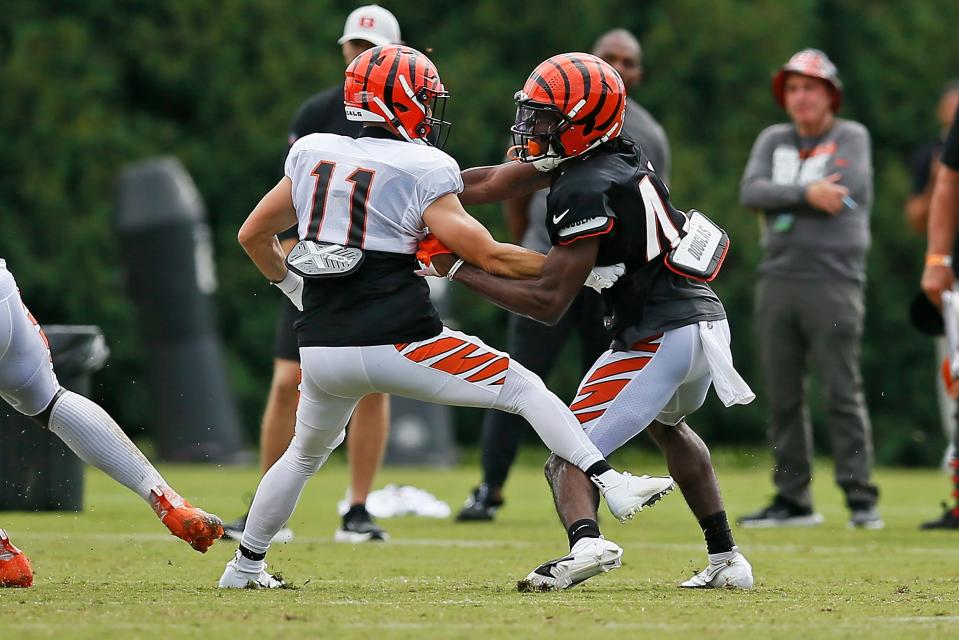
column 29, row 385
column 367, row 325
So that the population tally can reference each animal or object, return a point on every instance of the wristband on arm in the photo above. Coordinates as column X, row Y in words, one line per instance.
column 938, row 260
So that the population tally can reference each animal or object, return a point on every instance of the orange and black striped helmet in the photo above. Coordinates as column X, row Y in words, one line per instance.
column 399, row 87
column 571, row 103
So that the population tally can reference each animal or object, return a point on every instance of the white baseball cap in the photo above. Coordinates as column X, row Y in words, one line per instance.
column 372, row 23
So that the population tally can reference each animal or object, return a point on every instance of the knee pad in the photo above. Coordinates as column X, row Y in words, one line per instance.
column 520, row 382
column 311, row 447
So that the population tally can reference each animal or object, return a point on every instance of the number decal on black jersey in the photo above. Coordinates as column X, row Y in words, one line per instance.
column 324, row 173
column 656, row 218
column 362, row 180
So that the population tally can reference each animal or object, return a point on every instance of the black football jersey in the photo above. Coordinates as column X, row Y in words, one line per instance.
column 616, row 195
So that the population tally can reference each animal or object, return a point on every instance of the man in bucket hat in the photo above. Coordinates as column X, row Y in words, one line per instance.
column 811, row 181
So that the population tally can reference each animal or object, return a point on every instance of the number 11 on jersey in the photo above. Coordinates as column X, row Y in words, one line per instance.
column 362, row 181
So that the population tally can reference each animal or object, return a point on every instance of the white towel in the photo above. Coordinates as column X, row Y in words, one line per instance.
column 729, row 385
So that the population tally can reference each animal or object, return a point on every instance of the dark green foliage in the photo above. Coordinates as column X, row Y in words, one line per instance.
column 89, row 86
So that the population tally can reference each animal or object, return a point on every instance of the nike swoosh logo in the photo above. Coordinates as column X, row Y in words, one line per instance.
column 556, row 219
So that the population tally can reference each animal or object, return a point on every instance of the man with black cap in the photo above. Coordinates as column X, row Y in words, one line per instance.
column 811, row 179
column 366, row 27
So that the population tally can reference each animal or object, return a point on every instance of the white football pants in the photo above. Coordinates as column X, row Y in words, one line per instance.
column 451, row 368
column 664, row 378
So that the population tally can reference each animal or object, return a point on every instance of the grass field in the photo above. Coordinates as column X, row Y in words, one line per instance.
column 113, row 572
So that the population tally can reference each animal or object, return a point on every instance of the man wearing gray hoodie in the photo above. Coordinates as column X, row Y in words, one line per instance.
column 811, row 180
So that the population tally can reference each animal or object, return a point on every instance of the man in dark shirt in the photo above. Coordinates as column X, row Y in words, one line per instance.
column 924, row 167
column 939, row 275
column 538, row 346
column 366, row 27
column 669, row 332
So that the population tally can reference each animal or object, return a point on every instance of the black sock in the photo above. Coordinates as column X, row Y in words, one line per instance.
column 719, row 538
column 355, row 510
column 598, row 468
column 580, row 529
column 251, row 555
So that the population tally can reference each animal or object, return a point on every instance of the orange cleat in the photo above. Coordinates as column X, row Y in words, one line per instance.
column 197, row 527
column 15, row 569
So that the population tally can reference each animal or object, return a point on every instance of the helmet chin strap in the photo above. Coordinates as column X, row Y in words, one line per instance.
column 393, row 120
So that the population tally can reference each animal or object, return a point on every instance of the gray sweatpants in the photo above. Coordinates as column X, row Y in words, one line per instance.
column 800, row 321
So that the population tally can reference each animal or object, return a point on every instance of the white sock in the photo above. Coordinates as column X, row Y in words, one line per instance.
column 722, row 558
column 98, row 440
column 280, row 488
column 246, row 565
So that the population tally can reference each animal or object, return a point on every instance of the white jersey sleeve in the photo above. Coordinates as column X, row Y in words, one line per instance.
column 437, row 183
column 369, row 192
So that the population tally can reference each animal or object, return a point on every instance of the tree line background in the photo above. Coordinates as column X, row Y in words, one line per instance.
column 88, row 86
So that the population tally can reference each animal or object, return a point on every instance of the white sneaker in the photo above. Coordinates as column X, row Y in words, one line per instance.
column 234, row 578
column 587, row 558
column 626, row 494
column 728, row 570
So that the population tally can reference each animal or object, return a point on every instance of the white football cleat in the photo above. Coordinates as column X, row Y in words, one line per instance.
column 587, row 558
column 234, row 578
column 728, row 570
column 626, row 494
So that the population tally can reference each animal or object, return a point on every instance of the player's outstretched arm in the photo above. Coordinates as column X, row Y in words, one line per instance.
column 470, row 240
column 545, row 298
column 500, row 182
column 938, row 275
column 273, row 214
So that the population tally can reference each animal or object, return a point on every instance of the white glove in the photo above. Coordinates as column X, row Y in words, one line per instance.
column 548, row 163
column 604, row 277
column 292, row 286
column 427, row 271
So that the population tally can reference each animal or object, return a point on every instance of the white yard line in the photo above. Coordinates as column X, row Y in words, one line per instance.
column 817, row 548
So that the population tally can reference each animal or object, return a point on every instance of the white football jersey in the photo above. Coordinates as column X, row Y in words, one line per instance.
column 368, row 192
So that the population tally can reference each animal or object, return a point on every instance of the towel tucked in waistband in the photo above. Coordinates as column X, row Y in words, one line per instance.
column 729, row 385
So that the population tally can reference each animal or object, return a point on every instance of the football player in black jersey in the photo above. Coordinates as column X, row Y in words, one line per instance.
column 669, row 330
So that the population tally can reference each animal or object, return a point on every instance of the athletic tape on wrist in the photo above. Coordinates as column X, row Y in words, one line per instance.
column 452, row 272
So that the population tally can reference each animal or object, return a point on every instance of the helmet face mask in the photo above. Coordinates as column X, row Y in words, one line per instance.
column 536, row 130
column 437, row 127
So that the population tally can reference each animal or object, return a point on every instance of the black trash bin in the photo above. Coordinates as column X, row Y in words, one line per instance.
column 38, row 472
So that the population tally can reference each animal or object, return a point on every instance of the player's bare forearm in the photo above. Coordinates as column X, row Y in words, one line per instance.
column 257, row 236
column 511, row 261
column 499, row 182
column 544, row 298
column 267, row 254
column 470, row 240
column 524, row 297
column 943, row 213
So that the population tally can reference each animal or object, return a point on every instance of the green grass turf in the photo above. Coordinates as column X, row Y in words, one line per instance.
column 113, row 572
